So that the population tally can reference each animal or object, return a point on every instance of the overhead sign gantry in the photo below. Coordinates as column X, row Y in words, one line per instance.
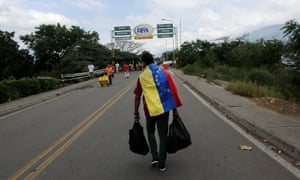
column 143, row 31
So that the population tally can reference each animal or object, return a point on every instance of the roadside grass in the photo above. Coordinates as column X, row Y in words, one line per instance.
column 253, row 90
column 253, row 83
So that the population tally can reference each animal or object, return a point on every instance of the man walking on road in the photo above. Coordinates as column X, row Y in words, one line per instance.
column 159, row 98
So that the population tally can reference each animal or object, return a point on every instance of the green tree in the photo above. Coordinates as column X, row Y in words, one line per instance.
column 272, row 52
column 223, row 51
column 292, row 29
column 198, row 51
column 123, row 56
column 14, row 62
column 190, row 53
column 82, row 53
column 50, row 43
column 252, row 55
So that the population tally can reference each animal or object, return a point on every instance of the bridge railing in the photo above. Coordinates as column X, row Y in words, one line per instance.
column 77, row 76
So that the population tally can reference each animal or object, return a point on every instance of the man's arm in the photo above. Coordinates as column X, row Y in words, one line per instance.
column 175, row 113
column 137, row 101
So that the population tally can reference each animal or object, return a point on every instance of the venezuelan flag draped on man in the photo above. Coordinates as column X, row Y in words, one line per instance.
column 159, row 98
column 159, row 90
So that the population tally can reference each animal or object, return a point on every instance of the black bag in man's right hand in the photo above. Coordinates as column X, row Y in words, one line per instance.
column 179, row 137
column 137, row 140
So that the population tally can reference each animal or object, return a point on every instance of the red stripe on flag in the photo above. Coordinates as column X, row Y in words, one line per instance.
column 173, row 89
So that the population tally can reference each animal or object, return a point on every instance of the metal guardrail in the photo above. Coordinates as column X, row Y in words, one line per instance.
column 99, row 72
column 82, row 75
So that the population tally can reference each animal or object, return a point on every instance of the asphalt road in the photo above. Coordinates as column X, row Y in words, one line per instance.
column 84, row 135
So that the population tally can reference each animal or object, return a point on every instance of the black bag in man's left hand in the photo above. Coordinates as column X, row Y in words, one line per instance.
column 179, row 137
column 137, row 140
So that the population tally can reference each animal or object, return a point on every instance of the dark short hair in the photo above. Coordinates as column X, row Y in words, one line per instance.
column 147, row 57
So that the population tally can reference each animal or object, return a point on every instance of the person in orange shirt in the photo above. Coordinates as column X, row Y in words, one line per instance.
column 109, row 71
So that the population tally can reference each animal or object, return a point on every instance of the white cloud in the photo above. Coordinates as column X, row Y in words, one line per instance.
column 223, row 18
column 88, row 4
column 23, row 21
column 202, row 19
column 48, row 18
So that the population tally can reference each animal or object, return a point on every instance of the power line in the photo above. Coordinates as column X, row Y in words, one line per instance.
column 200, row 11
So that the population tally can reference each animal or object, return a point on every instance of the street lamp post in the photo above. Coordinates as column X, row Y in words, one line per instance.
column 179, row 56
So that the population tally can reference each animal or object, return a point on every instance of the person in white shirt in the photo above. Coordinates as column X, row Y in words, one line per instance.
column 91, row 68
column 117, row 67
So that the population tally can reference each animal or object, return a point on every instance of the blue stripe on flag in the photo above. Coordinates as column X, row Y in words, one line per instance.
column 163, row 88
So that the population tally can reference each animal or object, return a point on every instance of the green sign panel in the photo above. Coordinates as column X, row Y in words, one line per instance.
column 123, row 38
column 122, row 33
column 164, row 35
column 164, row 30
column 122, row 28
column 161, row 26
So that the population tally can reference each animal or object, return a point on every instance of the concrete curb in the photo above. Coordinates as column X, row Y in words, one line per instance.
column 254, row 129
column 18, row 104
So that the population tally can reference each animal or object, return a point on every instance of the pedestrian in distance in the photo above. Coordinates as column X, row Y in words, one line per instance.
column 109, row 71
column 160, row 96
column 126, row 70
column 113, row 70
column 117, row 67
column 91, row 68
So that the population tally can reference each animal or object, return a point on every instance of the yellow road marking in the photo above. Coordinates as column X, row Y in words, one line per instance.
column 80, row 128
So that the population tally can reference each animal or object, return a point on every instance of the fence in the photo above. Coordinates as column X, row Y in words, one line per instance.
column 78, row 76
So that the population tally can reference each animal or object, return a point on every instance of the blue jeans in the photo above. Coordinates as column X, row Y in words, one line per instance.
column 162, row 122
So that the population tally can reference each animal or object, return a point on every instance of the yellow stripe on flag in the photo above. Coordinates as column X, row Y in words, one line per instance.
column 151, row 93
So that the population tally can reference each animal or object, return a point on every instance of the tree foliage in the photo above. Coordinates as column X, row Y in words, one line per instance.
column 14, row 62
column 236, row 53
column 51, row 42
column 126, row 46
column 125, row 57
column 292, row 29
column 80, row 54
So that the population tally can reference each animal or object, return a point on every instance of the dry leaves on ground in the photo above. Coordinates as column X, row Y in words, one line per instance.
column 245, row 147
column 281, row 106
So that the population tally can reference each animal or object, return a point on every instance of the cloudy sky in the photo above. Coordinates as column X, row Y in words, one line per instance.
column 200, row 19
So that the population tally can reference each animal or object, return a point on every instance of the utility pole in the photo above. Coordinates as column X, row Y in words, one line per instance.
column 173, row 40
column 179, row 54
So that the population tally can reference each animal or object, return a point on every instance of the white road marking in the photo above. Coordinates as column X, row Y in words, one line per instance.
column 260, row 145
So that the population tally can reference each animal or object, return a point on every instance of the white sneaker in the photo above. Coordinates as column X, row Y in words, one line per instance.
column 154, row 162
column 162, row 167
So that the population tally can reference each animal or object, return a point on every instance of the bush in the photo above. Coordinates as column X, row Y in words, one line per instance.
column 246, row 89
column 14, row 89
column 4, row 96
column 10, row 88
column 210, row 74
column 289, row 84
column 261, row 77
column 48, row 83
column 230, row 73
column 192, row 69
column 27, row 86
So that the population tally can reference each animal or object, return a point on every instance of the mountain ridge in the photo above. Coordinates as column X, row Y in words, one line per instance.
column 269, row 32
